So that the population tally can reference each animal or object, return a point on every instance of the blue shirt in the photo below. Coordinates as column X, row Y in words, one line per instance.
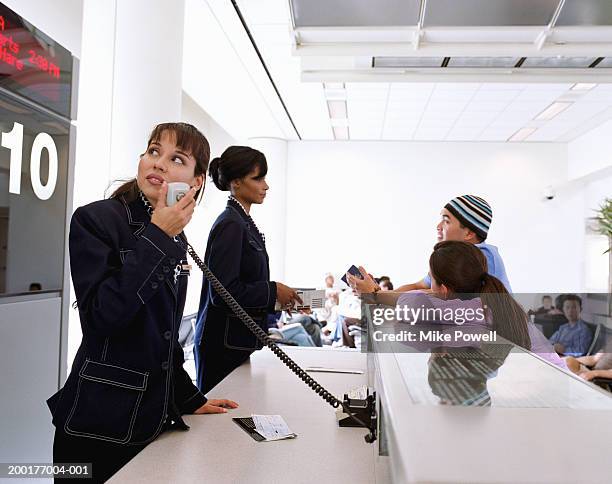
column 495, row 265
column 575, row 338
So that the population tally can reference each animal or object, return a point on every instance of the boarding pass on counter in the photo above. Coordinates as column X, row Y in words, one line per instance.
column 311, row 298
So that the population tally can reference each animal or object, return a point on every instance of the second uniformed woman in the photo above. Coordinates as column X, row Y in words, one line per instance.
column 236, row 254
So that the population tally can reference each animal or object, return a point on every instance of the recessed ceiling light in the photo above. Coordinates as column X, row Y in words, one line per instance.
column 552, row 110
column 341, row 133
column 335, row 94
column 339, row 122
column 522, row 134
column 337, row 109
column 583, row 86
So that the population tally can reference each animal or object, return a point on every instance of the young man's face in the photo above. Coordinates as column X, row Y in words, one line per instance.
column 450, row 228
column 571, row 310
column 547, row 302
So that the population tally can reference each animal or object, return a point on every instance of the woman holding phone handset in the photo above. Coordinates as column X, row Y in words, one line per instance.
column 128, row 266
column 236, row 254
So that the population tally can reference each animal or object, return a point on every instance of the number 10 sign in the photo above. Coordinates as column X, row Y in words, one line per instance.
column 13, row 140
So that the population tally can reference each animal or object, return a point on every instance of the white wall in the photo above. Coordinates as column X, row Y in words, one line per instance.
column 271, row 216
column 590, row 152
column 590, row 164
column 377, row 204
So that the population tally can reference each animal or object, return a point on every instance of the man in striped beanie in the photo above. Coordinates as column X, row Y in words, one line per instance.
column 467, row 218
column 472, row 213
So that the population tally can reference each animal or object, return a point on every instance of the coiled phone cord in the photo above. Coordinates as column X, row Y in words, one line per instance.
column 261, row 335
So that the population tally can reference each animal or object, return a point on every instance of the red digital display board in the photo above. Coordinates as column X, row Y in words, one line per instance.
column 33, row 65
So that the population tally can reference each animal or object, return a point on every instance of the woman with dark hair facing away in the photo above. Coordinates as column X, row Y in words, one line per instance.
column 460, row 281
column 128, row 266
column 236, row 254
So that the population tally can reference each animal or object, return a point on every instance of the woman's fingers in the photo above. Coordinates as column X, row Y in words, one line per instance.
column 208, row 408
column 364, row 273
column 223, row 402
column 187, row 200
column 163, row 193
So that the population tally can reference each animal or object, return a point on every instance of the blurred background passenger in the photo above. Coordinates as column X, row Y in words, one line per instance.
column 574, row 337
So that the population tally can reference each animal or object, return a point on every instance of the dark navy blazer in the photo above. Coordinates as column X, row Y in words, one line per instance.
column 236, row 254
column 128, row 375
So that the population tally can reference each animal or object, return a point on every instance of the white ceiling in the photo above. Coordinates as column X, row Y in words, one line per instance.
column 433, row 111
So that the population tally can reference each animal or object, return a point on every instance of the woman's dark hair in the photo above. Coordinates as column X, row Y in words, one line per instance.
column 462, row 267
column 236, row 162
column 189, row 139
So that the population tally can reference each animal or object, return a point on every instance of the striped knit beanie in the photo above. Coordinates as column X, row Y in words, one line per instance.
column 473, row 212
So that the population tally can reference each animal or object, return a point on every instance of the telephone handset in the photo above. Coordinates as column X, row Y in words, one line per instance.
column 284, row 357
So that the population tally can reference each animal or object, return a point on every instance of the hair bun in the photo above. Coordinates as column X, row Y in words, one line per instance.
column 213, row 170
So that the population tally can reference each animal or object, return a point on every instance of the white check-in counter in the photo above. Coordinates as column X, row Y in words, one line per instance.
column 492, row 414
column 217, row 450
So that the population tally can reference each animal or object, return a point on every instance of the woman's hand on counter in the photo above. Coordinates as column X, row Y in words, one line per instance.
column 216, row 406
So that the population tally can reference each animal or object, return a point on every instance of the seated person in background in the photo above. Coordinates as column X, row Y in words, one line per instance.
column 349, row 313
column 385, row 285
column 545, row 308
column 557, row 309
column 574, row 337
column 593, row 366
column 300, row 329
column 467, row 219
column 328, row 315
column 329, row 282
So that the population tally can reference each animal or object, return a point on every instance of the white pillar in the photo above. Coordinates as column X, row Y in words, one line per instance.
column 130, row 80
column 147, row 84
column 271, row 216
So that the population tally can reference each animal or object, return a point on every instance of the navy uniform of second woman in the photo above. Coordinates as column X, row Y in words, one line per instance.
column 236, row 254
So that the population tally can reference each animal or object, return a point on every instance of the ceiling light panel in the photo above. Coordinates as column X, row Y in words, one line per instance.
column 606, row 63
column 339, row 123
column 447, row 13
column 354, row 13
column 558, row 62
column 585, row 13
column 337, row 109
column 553, row 110
column 495, row 62
column 341, row 133
column 522, row 134
column 408, row 62
column 583, row 86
